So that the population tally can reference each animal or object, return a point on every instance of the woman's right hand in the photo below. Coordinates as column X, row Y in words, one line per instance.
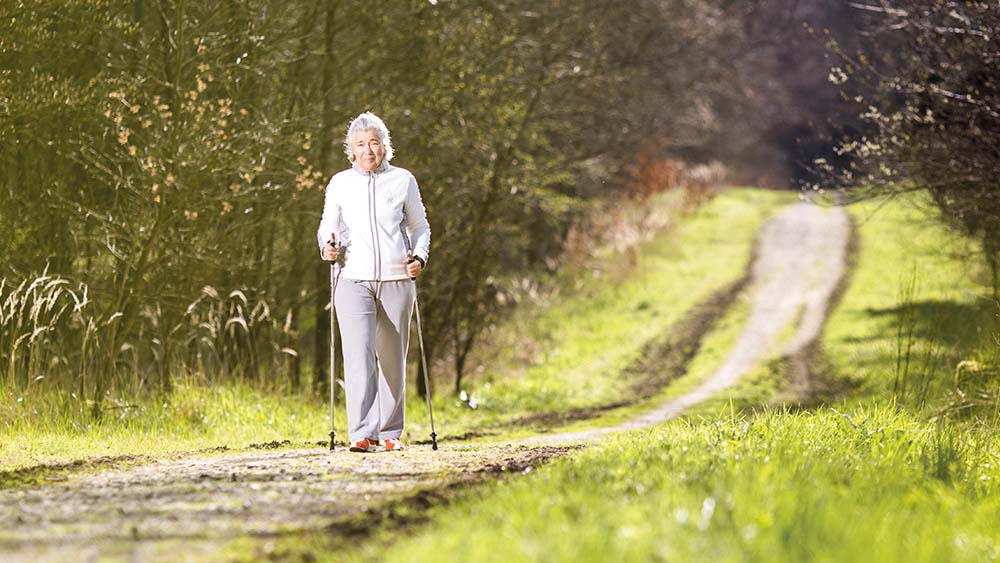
column 330, row 252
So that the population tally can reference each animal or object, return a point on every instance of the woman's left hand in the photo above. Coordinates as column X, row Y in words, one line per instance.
column 413, row 267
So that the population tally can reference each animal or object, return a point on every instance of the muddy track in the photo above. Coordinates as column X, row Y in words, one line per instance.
column 194, row 506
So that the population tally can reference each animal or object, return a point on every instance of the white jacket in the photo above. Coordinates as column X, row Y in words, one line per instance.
column 376, row 217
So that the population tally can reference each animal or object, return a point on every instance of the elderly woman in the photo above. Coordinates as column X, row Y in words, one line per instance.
column 374, row 224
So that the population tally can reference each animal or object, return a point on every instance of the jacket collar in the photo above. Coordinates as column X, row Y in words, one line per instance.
column 382, row 168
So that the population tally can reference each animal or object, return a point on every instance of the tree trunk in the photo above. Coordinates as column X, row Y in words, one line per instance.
column 326, row 138
column 993, row 259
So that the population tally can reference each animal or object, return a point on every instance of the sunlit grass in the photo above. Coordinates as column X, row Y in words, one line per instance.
column 917, row 306
column 871, row 484
column 193, row 417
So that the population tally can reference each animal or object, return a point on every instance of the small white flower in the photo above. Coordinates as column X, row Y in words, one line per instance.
column 837, row 75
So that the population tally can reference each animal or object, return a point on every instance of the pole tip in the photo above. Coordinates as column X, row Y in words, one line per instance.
column 434, row 441
column 333, row 438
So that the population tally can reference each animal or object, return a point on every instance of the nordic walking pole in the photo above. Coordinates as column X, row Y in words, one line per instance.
column 423, row 362
column 333, row 356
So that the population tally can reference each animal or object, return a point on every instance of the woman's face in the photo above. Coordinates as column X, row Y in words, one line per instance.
column 368, row 150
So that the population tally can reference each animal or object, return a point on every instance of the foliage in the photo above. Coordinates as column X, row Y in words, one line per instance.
column 162, row 153
column 929, row 84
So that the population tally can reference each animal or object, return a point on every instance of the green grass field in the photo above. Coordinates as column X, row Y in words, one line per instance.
column 868, row 485
column 919, row 305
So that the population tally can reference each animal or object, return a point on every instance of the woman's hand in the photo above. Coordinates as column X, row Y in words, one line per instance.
column 330, row 252
column 413, row 266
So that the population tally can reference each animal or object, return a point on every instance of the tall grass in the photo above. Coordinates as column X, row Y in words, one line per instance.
column 914, row 373
column 39, row 429
column 37, row 319
column 236, row 336
column 54, row 340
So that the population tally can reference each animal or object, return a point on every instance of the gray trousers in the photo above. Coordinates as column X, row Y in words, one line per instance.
column 374, row 322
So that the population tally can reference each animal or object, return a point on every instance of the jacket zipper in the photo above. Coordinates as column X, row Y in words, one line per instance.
column 373, row 224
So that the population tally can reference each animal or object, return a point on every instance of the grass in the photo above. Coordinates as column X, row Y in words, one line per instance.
column 869, row 485
column 579, row 341
column 887, row 474
column 917, row 307
column 192, row 418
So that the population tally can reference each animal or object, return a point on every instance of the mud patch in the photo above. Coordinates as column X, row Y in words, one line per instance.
column 664, row 360
column 272, row 445
column 411, row 510
column 52, row 472
column 463, row 437
column 811, row 380
column 542, row 421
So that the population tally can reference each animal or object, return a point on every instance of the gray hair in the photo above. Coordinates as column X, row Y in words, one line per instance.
column 368, row 121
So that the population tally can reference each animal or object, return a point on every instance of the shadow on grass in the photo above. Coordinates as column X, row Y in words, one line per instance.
column 958, row 326
column 934, row 340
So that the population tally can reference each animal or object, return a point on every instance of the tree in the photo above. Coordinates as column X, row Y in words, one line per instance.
column 167, row 159
column 929, row 84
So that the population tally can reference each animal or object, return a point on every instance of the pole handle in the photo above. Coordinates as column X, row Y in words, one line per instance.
column 336, row 245
column 410, row 258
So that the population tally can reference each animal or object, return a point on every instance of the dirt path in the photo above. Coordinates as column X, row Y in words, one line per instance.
column 801, row 256
column 194, row 506
column 149, row 512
